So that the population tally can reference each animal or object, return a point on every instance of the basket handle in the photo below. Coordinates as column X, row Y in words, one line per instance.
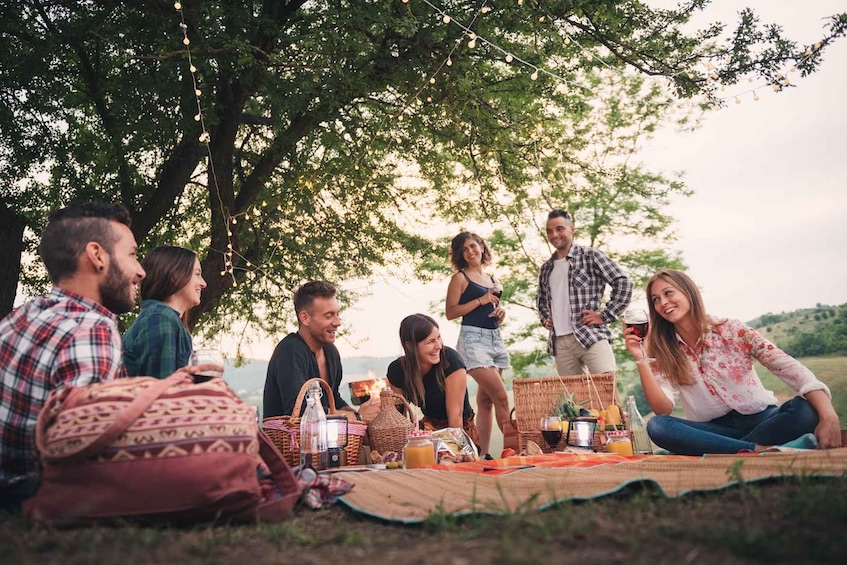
column 409, row 412
column 298, row 404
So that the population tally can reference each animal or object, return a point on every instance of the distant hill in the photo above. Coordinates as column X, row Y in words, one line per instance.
column 248, row 380
column 821, row 330
column 817, row 331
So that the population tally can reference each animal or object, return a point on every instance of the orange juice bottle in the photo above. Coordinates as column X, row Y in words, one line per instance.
column 419, row 450
column 618, row 442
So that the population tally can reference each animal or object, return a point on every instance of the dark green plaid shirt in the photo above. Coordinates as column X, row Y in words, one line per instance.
column 156, row 344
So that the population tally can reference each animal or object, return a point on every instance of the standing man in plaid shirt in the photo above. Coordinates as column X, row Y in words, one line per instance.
column 70, row 336
column 570, row 287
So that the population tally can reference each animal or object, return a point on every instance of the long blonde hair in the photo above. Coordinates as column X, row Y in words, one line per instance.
column 663, row 344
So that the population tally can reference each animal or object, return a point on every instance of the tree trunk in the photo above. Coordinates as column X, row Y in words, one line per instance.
column 12, row 235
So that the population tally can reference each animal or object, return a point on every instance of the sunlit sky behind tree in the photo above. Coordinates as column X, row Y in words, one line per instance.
column 764, row 230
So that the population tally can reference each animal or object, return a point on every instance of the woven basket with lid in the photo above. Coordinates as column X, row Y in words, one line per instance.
column 387, row 432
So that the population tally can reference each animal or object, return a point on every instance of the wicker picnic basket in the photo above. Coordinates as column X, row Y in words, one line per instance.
column 387, row 432
column 284, row 431
column 535, row 398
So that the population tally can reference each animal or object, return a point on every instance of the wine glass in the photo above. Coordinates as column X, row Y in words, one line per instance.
column 551, row 430
column 207, row 357
column 637, row 319
column 496, row 290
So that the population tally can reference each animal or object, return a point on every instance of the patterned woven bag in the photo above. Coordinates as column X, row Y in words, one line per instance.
column 156, row 451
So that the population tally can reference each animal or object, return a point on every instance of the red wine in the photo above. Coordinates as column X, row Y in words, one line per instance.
column 552, row 437
column 640, row 330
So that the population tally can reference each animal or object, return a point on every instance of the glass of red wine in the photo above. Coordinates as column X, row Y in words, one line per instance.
column 496, row 290
column 637, row 319
column 551, row 430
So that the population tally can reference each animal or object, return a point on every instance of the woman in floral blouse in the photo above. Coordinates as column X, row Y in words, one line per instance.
column 706, row 363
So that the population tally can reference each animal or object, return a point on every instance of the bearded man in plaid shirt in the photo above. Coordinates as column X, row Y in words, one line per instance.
column 70, row 336
column 570, row 288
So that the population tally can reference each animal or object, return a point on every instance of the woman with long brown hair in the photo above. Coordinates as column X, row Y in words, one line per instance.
column 706, row 364
column 474, row 296
column 158, row 343
column 432, row 377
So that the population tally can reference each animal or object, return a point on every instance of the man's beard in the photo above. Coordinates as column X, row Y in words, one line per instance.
column 114, row 291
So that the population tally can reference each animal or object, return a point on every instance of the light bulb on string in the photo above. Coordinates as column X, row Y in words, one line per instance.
column 196, row 117
column 432, row 80
column 755, row 97
column 177, row 6
column 534, row 75
column 192, row 68
column 737, row 100
column 472, row 43
column 485, row 9
column 186, row 41
column 509, row 58
column 197, row 92
column 449, row 62
column 446, row 19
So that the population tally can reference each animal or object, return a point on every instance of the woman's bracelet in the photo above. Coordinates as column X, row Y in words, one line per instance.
column 478, row 299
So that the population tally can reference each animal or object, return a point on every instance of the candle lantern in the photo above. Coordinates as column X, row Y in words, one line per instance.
column 581, row 432
column 336, row 441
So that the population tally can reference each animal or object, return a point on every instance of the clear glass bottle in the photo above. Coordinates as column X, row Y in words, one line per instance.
column 419, row 450
column 313, row 451
column 641, row 443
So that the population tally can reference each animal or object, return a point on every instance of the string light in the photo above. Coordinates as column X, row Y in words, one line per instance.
column 204, row 138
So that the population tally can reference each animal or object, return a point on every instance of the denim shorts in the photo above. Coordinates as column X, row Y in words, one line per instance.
column 480, row 347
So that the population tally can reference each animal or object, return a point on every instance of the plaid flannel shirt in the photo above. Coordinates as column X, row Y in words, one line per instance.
column 590, row 271
column 157, row 343
column 52, row 341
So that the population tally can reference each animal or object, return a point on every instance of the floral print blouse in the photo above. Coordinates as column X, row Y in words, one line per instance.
column 726, row 379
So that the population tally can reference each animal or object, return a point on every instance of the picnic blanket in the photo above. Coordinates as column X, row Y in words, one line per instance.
column 518, row 484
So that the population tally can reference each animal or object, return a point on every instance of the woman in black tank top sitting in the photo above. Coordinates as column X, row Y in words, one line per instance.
column 475, row 296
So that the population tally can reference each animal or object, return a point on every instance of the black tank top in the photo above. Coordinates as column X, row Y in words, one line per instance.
column 478, row 317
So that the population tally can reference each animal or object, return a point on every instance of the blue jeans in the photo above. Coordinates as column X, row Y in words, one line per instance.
column 734, row 432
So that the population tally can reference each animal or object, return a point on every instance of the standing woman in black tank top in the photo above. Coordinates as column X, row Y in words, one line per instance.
column 474, row 296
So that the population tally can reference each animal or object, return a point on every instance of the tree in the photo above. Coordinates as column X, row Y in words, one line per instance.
column 285, row 167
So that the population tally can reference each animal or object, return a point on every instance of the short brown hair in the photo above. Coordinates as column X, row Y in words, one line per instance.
column 306, row 294
column 457, row 257
column 70, row 229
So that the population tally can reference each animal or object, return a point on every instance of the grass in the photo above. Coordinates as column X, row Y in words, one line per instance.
column 798, row 520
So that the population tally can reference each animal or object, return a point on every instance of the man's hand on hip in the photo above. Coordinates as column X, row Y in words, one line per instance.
column 591, row 318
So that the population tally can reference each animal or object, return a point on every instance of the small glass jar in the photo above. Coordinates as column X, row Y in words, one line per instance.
column 618, row 442
column 419, row 450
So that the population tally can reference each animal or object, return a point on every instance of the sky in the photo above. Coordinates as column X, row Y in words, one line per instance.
column 765, row 230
